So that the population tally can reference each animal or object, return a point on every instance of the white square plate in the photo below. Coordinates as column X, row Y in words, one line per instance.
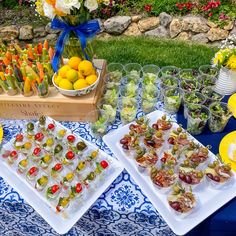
column 60, row 224
column 209, row 200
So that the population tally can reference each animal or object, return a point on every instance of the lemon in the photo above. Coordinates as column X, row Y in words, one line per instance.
column 86, row 68
column 72, row 75
column 66, row 84
column 80, row 76
column 63, row 70
column 94, row 72
column 91, row 79
column 57, row 79
column 80, row 84
column 74, row 62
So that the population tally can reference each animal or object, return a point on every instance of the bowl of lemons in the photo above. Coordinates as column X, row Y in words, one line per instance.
column 76, row 77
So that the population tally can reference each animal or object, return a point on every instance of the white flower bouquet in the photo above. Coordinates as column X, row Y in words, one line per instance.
column 74, row 19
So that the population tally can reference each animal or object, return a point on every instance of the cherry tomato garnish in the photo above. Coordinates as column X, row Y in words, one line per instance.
column 37, row 151
column 57, row 166
column 54, row 188
column 51, row 126
column 78, row 188
column 19, row 137
column 33, row 170
column 70, row 155
column 104, row 164
column 39, row 136
column 13, row 154
column 71, row 138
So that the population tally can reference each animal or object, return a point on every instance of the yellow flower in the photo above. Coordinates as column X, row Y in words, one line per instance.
column 218, row 59
column 232, row 62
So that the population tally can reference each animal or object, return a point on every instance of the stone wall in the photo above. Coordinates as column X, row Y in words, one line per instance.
column 190, row 27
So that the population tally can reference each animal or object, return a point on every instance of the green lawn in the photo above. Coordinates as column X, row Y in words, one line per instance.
column 154, row 51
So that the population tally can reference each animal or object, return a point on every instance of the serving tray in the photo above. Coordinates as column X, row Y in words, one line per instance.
column 64, row 221
column 209, row 199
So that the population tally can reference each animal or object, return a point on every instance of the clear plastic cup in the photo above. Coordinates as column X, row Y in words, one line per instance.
column 108, row 111
column 150, row 74
column 116, row 70
column 148, row 105
column 197, row 118
column 150, row 90
column 192, row 98
column 97, row 123
column 207, row 80
column 169, row 82
column 169, row 71
column 208, row 70
column 189, row 85
column 110, row 96
column 111, row 83
column 129, row 90
column 172, row 99
column 128, row 111
column 211, row 95
column 188, row 74
column 219, row 116
column 133, row 72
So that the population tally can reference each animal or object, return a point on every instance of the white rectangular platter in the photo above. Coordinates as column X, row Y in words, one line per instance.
column 62, row 222
column 209, row 200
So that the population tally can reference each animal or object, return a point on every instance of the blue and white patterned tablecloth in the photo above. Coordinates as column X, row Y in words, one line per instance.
column 122, row 210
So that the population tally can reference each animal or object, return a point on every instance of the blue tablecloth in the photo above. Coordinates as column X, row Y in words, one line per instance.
column 122, row 210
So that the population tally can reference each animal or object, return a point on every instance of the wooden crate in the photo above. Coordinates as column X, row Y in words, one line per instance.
column 55, row 105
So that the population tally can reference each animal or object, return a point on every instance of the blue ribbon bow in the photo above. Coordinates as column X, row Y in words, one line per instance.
column 83, row 31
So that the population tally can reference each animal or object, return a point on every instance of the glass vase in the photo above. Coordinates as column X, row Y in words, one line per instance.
column 73, row 48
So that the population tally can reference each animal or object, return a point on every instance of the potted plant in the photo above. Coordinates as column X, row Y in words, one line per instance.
column 225, row 59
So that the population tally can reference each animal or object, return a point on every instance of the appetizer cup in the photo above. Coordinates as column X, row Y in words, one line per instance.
column 172, row 100
column 97, row 123
column 206, row 80
column 110, row 96
column 219, row 175
column 150, row 74
column 188, row 74
column 208, row 70
column 111, row 83
column 219, row 116
column 43, row 89
column 107, row 111
column 189, row 85
column 128, row 111
column 211, row 95
column 130, row 90
column 116, row 71
column 149, row 91
column 133, row 72
column 182, row 201
column 169, row 71
column 169, row 82
column 148, row 104
column 197, row 118
column 163, row 179
column 191, row 177
column 3, row 86
column 192, row 98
